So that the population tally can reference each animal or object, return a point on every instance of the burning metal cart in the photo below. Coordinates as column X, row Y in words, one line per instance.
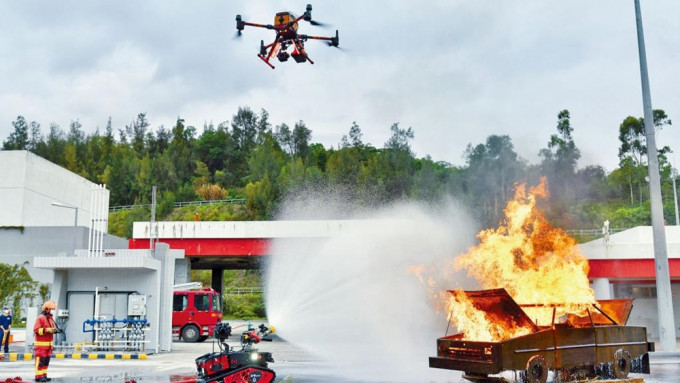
column 597, row 345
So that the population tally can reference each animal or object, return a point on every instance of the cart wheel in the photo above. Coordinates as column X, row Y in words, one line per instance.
column 537, row 369
column 621, row 363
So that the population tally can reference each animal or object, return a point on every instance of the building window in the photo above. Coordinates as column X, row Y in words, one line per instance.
column 634, row 291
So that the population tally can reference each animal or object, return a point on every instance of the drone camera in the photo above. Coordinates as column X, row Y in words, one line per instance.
column 283, row 56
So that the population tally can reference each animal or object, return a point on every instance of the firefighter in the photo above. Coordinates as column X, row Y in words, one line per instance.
column 5, row 325
column 44, row 330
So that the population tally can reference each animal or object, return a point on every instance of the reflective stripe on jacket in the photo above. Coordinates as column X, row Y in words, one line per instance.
column 42, row 338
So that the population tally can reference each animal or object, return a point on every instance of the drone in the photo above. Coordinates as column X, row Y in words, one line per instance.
column 286, row 27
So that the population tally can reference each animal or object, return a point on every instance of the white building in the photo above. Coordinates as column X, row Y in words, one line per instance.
column 56, row 221
column 622, row 266
column 35, row 192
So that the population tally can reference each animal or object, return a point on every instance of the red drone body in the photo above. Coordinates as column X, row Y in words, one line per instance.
column 286, row 27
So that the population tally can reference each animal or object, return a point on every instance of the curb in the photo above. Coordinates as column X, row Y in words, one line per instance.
column 14, row 357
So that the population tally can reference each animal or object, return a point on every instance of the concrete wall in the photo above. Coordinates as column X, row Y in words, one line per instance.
column 30, row 184
column 645, row 313
column 18, row 247
column 182, row 270
column 169, row 259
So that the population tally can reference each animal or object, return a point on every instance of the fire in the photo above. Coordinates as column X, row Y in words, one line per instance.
column 477, row 324
column 535, row 262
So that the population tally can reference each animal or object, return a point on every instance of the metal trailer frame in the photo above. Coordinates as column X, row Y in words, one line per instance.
column 573, row 353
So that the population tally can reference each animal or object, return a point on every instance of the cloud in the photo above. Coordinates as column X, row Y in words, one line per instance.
column 455, row 71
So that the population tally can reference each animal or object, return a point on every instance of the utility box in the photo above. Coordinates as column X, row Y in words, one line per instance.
column 137, row 305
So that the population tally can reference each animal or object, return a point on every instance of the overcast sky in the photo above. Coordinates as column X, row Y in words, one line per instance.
column 455, row 71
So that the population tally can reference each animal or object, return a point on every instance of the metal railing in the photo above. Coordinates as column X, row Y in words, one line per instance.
column 231, row 201
column 594, row 232
column 243, row 290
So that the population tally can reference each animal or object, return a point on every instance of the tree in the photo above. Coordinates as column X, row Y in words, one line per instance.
column 15, row 283
column 56, row 145
column 245, row 126
column 632, row 136
column 399, row 141
column 632, row 139
column 285, row 138
column 429, row 178
column 355, row 135
column 137, row 132
column 397, row 162
column 318, row 156
column 215, row 146
column 201, row 175
column 492, row 170
column 158, row 143
column 633, row 152
column 266, row 159
column 44, row 291
column 35, row 141
column 343, row 167
column 301, row 136
column 261, row 198
column 560, row 158
column 18, row 139
column 181, row 150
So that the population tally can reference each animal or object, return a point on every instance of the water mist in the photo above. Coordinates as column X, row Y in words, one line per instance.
column 350, row 299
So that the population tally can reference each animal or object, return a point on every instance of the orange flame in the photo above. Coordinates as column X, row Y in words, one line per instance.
column 535, row 262
column 478, row 325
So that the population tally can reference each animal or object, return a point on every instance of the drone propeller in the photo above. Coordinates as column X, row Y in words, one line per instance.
column 240, row 24
column 308, row 17
column 341, row 49
column 319, row 24
column 335, row 41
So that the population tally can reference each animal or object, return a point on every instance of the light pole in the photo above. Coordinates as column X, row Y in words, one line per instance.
column 663, row 279
column 75, row 223
column 674, row 175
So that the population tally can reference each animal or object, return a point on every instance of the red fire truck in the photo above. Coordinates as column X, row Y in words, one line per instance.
column 195, row 313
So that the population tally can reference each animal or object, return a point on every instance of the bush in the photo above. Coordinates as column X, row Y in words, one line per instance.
column 120, row 222
column 244, row 306
column 211, row 192
column 166, row 204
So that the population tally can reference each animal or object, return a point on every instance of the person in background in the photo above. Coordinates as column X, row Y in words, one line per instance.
column 44, row 330
column 5, row 324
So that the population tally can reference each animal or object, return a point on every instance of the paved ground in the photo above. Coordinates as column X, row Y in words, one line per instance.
column 293, row 365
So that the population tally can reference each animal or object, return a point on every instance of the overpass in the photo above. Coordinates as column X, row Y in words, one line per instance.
column 220, row 245
column 626, row 258
column 236, row 244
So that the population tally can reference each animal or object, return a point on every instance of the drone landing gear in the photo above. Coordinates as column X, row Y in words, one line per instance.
column 265, row 61
column 299, row 54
